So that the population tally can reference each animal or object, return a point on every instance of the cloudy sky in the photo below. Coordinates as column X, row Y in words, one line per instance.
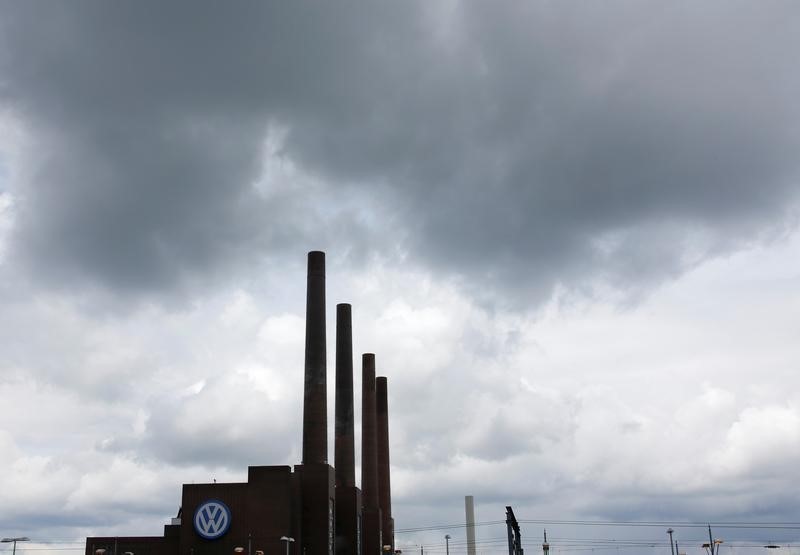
column 569, row 232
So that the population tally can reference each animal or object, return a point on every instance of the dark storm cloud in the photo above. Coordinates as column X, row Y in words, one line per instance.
column 516, row 145
column 148, row 124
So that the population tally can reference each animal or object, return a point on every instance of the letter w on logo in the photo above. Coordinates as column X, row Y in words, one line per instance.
column 212, row 519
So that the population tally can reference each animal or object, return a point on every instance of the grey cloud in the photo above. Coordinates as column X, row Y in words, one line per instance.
column 52, row 520
column 503, row 438
column 237, row 428
column 148, row 130
column 501, row 141
column 508, row 147
column 552, row 126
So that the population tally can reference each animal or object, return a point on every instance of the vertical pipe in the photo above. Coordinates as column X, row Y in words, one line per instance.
column 315, row 409
column 371, row 512
column 369, row 452
column 384, row 481
column 344, row 442
column 348, row 515
column 469, row 509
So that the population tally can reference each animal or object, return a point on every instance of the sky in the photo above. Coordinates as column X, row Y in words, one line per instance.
column 568, row 230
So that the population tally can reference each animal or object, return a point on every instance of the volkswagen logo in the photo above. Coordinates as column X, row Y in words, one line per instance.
column 212, row 519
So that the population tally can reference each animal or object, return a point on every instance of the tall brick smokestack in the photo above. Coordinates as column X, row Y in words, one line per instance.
column 384, row 484
column 315, row 404
column 348, row 496
column 369, row 459
column 344, row 447
column 369, row 435
column 315, row 476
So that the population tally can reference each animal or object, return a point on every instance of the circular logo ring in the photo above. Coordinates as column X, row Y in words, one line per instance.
column 212, row 519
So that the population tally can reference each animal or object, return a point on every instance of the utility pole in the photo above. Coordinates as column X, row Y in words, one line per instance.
column 671, row 545
column 14, row 541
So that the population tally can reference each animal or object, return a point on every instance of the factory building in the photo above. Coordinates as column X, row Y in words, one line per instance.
column 311, row 509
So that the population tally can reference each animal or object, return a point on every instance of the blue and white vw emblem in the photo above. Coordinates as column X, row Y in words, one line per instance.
column 212, row 519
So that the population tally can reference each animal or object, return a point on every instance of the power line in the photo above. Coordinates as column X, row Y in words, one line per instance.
column 632, row 523
column 557, row 544
column 447, row 526
column 726, row 525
